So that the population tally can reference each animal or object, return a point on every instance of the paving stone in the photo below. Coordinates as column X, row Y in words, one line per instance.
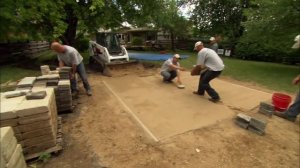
column 242, row 123
column 19, row 137
column 15, row 93
column 16, row 158
column 8, row 142
column 8, row 107
column 266, row 112
column 47, row 77
column 258, row 124
column 267, row 105
column 45, row 69
column 26, row 82
column 2, row 162
column 37, row 140
column 266, row 108
column 9, row 122
column 31, row 107
column 244, row 117
column 34, row 118
column 20, row 163
column 36, row 95
column 64, row 83
column 34, row 126
column 37, row 133
column 255, row 130
column 16, row 130
column 23, row 88
column 39, row 147
column 54, row 72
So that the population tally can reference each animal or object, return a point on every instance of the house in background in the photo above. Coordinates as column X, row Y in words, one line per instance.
column 141, row 37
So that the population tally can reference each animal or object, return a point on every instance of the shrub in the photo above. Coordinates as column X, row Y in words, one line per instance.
column 137, row 41
column 82, row 44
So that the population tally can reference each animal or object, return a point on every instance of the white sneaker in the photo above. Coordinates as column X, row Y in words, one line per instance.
column 181, row 86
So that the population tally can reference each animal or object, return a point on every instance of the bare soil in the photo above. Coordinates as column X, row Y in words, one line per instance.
column 100, row 133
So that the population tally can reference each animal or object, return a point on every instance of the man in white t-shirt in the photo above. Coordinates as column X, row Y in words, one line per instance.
column 170, row 70
column 209, row 59
column 69, row 56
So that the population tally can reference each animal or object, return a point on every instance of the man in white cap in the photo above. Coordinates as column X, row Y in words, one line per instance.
column 170, row 69
column 209, row 59
column 69, row 56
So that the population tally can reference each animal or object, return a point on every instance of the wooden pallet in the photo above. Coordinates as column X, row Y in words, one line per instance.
column 55, row 149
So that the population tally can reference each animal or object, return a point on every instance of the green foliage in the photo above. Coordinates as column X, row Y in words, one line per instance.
column 82, row 44
column 218, row 17
column 270, row 29
column 68, row 19
column 13, row 73
column 44, row 157
column 137, row 41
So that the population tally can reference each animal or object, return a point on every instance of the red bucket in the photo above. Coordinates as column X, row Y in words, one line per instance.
column 281, row 101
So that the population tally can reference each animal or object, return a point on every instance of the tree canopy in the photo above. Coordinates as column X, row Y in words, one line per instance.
column 65, row 18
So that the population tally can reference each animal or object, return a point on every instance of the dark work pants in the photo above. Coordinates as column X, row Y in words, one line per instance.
column 204, row 85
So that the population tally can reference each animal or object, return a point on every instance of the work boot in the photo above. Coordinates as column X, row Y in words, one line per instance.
column 89, row 92
column 285, row 116
column 214, row 100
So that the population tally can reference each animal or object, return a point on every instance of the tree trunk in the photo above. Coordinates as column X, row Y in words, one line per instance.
column 70, row 33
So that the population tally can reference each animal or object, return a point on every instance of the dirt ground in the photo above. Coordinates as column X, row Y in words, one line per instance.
column 100, row 133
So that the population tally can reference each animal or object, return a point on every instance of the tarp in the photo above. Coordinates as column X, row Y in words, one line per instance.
column 152, row 56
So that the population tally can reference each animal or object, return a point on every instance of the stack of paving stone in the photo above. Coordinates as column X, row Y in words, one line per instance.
column 45, row 70
column 64, row 96
column 266, row 108
column 34, row 121
column 64, row 72
column 250, row 123
column 26, row 83
column 11, row 152
column 61, row 88
column 50, row 80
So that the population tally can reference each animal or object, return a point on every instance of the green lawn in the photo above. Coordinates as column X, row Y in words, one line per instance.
column 273, row 76
column 14, row 73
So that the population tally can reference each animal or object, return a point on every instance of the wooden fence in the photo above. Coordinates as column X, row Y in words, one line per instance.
column 10, row 52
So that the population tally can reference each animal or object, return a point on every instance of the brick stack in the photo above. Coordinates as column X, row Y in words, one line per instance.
column 26, row 83
column 34, row 121
column 250, row 123
column 11, row 152
column 64, row 72
column 45, row 70
column 64, row 97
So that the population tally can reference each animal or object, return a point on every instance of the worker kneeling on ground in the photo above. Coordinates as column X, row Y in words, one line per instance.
column 171, row 69
column 69, row 56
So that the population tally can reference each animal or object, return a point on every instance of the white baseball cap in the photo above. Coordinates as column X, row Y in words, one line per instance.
column 177, row 56
column 212, row 39
column 297, row 42
column 197, row 44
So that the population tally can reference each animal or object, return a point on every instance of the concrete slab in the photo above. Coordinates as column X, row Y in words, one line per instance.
column 31, row 107
column 8, row 107
column 170, row 111
column 233, row 95
column 17, row 160
column 33, row 126
column 9, row 122
column 26, row 82
column 8, row 143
